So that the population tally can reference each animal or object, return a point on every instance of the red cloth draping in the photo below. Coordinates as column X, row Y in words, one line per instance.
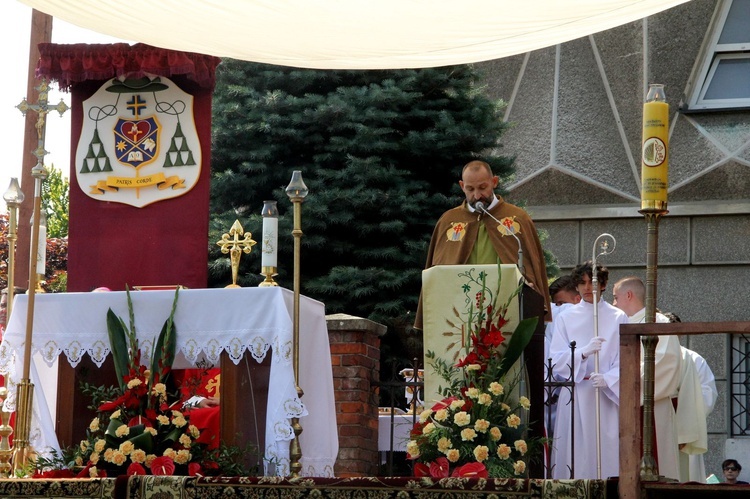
column 68, row 64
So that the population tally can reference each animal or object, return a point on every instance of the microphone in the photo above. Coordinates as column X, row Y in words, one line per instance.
column 479, row 206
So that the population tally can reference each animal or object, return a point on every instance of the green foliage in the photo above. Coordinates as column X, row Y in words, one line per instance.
column 56, row 278
column 56, row 202
column 381, row 152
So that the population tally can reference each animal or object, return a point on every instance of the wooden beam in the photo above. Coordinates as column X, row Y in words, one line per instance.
column 41, row 32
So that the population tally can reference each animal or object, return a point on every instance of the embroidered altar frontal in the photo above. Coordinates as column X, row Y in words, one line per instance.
column 157, row 487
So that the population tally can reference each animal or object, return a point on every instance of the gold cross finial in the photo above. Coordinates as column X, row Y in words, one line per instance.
column 235, row 247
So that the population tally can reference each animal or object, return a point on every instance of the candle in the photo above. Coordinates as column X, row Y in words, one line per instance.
column 655, row 149
column 269, row 247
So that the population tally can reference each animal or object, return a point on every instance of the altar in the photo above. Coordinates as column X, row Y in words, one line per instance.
column 209, row 323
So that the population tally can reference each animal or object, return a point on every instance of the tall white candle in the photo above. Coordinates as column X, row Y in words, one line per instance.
column 269, row 246
column 270, row 241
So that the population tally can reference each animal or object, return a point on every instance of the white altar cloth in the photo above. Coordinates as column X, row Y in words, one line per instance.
column 208, row 322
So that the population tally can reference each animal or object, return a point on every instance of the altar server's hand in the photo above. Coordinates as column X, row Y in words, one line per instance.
column 597, row 379
column 592, row 346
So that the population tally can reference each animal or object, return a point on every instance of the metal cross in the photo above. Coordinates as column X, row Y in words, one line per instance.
column 235, row 247
column 42, row 108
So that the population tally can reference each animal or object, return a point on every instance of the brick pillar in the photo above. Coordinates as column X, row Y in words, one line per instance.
column 355, row 356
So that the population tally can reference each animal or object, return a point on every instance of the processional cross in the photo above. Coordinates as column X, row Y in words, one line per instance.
column 24, row 397
column 42, row 108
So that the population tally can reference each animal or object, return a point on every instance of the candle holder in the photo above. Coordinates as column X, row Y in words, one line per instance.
column 13, row 198
column 269, row 246
column 297, row 191
column 655, row 159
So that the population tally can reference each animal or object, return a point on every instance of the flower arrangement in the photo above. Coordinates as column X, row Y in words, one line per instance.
column 138, row 432
column 479, row 429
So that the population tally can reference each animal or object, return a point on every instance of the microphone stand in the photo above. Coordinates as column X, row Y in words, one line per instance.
column 604, row 245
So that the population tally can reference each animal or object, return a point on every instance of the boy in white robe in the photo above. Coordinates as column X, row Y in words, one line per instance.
column 575, row 435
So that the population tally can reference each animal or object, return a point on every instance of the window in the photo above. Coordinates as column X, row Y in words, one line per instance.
column 721, row 78
column 740, row 385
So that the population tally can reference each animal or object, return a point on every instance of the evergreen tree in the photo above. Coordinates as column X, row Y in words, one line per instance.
column 381, row 152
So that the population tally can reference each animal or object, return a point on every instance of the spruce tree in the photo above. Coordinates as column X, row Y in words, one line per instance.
column 381, row 152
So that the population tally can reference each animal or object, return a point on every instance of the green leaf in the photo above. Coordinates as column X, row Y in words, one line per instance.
column 517, row 343
column 164, row 350
column 119, row 346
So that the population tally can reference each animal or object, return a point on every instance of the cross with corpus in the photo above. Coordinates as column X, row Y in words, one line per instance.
column 42, row 108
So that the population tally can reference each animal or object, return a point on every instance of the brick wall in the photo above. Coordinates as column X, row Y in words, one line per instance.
column 355, row 356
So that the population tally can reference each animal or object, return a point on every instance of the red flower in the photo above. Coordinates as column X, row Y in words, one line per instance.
column 137, row 420
column 444, row 404
column 162, row 466
column 471, row 470
column 439, row 468
column 194, row 469
column 136, row 469
column 472, row 358
column 66, row 473
column 416, row 430
column 421, row 469
column 84, row 473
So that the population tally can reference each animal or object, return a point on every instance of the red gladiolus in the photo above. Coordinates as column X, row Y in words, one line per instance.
column 162, row 466
column 136, row 469
column 416, row 430
column 440, row 468
column 472, row 358
column 421, row 469
column 471, row 470
column 194, row 469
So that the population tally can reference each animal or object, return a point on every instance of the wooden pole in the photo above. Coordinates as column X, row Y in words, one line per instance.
column 41, row 32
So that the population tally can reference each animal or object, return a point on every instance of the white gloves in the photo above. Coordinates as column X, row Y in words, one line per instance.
column 597, row 379
column 593, row 346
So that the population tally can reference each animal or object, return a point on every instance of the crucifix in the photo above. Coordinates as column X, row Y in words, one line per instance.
column 24, row 398
column 235, row 247
column 42, row 108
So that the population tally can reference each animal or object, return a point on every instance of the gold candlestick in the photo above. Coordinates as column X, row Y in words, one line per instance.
column 235, row 247
column 654, row 164
column 13, row 197
column 269, row 247
column 297, row 191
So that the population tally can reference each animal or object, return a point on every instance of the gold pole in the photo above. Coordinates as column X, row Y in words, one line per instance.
column 25, row 396
column 649, row 468
column 296, row 190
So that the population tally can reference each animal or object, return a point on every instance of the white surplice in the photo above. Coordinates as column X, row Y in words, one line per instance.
column 692, row 464
column 577, row 324
column 667, row 376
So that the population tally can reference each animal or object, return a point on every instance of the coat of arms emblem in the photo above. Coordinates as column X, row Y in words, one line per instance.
column 138, row 144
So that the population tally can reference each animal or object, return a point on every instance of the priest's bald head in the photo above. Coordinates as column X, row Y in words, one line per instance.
column 629, row 295
column 478, row 183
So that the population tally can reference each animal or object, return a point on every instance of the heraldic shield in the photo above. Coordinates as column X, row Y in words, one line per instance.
column 139, row 143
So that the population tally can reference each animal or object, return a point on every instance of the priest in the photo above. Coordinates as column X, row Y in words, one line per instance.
column 485, row 228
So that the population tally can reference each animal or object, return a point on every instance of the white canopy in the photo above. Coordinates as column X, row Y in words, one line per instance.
column 352, row 34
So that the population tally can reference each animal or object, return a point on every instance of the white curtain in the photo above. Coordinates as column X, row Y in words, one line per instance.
column 352, row 34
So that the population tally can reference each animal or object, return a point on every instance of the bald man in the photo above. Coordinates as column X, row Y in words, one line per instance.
column 629, row 296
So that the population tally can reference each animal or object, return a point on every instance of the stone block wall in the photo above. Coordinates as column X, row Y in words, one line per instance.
column 355, row 355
